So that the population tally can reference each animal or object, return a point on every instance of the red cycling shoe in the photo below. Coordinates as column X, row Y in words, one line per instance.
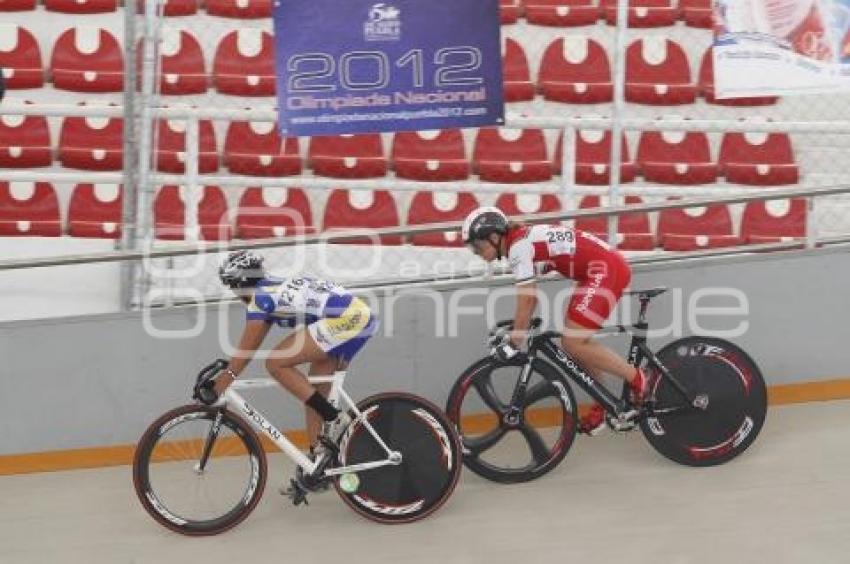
column 639, row 386
column 593, row 422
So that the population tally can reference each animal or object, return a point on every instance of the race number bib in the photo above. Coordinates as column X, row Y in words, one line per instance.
column 560, row 241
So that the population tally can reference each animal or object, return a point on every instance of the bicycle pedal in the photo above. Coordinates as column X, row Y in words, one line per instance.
column 296, row 493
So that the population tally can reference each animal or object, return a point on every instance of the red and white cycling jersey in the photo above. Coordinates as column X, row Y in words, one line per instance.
column 602, row 273
column 538, row 249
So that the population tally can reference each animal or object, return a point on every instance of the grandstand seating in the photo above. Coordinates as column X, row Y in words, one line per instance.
column 242, row 9
column 438, row 207
column 24, row 142
column 17, row 5
column 691, row 229
column 29, row 209
column 575, row 70
column 347, row 156
column 95, row 211
column 674, row 157
column 257, row 149
column 362, row 209
column 20, row 57
column 91, row 143
column 643, row 13
column 434, row 155
column 516, row 74
column 593, row 158
column 511, row 155
column 244, row 63
column 183, row 70
column 81, row 6
column 706, row 87
column 697, row 13
column 634, row 231
column 171, row 147
column 561, row 13
column 759, row 159
column 169, row 212
column 87, row 59
column 509, row 11
column 172, row 8
column 658, row 73
column 525, row 204
column 774, row 220
column 273, row 212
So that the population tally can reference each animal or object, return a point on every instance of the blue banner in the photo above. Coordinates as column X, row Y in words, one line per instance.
column 357, row 66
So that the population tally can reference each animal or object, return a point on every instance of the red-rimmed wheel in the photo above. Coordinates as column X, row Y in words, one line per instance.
column 430, row 459
column 731, row 402
column 508, row 450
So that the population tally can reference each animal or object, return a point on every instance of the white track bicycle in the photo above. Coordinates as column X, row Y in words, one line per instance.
column 201, row 469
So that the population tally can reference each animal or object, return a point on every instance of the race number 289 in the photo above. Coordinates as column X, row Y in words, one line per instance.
column 317, row 72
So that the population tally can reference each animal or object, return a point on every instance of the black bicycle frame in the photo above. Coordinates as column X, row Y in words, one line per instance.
column 638, row 351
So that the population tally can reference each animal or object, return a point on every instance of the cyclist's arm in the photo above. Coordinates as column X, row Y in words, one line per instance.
column 521, row 259
column 526, row 301
column 253, row 334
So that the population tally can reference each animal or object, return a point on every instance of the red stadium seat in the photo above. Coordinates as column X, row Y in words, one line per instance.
column 509, row 11
column 348, row 156
column 273, row 212
column 92, row 143
column 706, row 86
column 697, row 13
column 440, row 207
column 172, row 7
column 24, row 142
column 244, row 63
column 516, row 75
column 243, row 9
column 20, row 57
column 362, row 210
column 29, row 210
column 644, row 13
column 257, row 149
column 593, row 158
column 81, row 6
column 634, row 233
column 511, row 155
column 95, row 211
column 87, row 59
column 171, row 147
column 657, row 73
column 562, row 13
column 774, row 220
column 169, row 214
column 430, row 155
column 16, row 5
column 760, row 159
column 691, row 229
column 676, row 157
column 182, row 68
column 527, row 204
column 575, row 70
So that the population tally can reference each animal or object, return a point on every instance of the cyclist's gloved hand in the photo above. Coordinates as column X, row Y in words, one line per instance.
column 205, row 393
column 506, row 351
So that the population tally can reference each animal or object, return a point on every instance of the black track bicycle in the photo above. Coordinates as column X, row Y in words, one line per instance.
column 517, row 420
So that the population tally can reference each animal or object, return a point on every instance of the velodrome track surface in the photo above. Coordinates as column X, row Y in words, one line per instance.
column 613, row 499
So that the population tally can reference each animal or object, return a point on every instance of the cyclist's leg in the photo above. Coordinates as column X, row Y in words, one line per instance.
column 297, row 348
column 314, row 422
column 591, row 304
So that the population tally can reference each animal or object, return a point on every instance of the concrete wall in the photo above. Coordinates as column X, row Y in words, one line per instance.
column 99, row 380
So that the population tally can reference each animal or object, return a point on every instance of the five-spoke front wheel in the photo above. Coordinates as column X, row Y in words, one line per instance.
column 512, row 445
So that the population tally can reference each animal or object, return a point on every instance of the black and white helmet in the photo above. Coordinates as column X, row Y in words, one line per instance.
column 241, row 269
column 482, row 222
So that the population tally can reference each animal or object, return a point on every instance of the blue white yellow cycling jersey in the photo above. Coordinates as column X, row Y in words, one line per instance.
column 339, row 322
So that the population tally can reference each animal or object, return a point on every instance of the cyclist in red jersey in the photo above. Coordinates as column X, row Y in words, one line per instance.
column 601, row 273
